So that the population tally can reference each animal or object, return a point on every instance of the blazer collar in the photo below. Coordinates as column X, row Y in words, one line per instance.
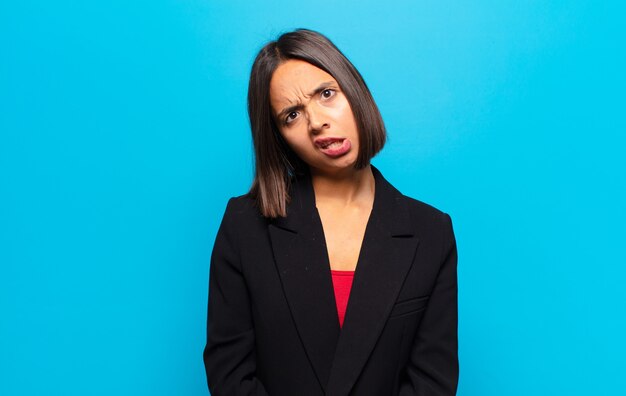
column 301, row 256
column 388, row 201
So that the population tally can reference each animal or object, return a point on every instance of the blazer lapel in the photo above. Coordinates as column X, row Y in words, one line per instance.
column 386, row 256
column 301, row 256
column 302, row 261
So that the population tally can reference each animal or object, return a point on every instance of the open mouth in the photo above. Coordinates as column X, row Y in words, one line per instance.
column 325, row 143
column 333, row 147
column 333, row 144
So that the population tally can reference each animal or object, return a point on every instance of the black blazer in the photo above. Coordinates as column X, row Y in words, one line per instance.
column 273, row 327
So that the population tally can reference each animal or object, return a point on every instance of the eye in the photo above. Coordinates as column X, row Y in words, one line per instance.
column 328, row 93
column 291, row 116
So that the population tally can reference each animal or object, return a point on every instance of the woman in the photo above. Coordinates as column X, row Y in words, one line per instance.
column 321, row 224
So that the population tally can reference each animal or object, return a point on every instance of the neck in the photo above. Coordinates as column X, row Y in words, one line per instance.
column 344, row 188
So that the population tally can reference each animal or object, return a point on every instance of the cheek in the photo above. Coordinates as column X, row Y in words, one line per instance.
column 343, row 114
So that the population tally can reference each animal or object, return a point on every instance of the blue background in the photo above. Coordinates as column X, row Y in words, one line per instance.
column 123, row 132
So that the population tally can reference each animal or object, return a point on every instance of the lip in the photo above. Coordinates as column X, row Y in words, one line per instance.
column 335, row 151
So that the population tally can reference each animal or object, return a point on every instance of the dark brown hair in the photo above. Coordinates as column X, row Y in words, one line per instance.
column 275, row 163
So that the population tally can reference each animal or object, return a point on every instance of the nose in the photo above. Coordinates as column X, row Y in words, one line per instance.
column 318, row 120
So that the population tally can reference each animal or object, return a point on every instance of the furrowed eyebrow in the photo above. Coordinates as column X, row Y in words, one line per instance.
column 317, row 90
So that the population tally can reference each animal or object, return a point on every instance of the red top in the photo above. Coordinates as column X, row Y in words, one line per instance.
column 342, row 283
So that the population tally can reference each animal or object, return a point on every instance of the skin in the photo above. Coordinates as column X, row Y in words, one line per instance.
column 343, row 195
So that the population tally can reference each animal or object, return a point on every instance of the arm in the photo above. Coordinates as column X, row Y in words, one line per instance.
column 433, row 367
column 229, row 355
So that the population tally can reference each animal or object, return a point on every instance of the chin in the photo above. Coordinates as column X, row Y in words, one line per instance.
column 338, row 167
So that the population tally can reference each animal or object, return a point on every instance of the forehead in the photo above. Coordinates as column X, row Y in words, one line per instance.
column 293, row 80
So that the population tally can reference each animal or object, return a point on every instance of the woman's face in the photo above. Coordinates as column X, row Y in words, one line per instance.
column 314, row 117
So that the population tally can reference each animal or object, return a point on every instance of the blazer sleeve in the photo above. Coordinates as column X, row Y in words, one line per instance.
column 433, row 367
column 229, row 355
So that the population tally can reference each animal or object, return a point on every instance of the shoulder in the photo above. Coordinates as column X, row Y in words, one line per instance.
column 423, row 211
column 242, row 209
column 431, row 223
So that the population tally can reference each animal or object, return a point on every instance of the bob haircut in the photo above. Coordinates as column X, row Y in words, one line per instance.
column 276, row 165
